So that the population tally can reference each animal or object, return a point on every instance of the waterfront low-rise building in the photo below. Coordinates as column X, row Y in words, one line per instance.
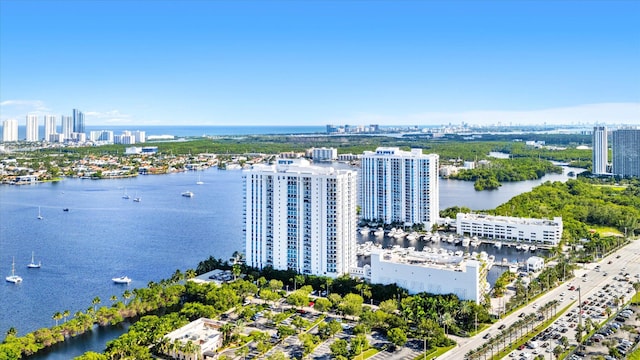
column 197, row 340
column 543, row 231
column 535, row 263
column 419, row 271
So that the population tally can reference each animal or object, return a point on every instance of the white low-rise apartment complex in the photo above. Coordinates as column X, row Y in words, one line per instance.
column 400, row 186
column 324, row 154
column 509, row 228
column 300, row 217
column 198, row 339
column 419, row 271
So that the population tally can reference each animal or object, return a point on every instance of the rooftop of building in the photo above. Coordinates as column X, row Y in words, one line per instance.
column 298, row 166
column 396, row 151
column 201, row 332
column 510, row 219
column 426, row 259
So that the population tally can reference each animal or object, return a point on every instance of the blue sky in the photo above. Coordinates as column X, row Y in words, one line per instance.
column 319, row 62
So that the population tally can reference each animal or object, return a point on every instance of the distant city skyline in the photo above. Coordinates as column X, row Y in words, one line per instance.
column 314, row 63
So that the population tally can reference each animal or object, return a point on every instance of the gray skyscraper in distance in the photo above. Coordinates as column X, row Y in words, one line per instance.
column 626, row 152
column 600, row 150
column 78, row 121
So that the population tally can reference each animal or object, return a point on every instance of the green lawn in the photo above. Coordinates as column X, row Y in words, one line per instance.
column 634, row 355
column 607, row 231
column 367, row 354
column 433, row 353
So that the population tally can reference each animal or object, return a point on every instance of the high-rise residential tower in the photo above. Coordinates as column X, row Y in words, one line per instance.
column 600, row 150
column 10, row 130
column 626, row 152
column 400, row 186
column 49, row 126
column 32, row 127
column 67, row 126
column 300, row 217
column 78, row 121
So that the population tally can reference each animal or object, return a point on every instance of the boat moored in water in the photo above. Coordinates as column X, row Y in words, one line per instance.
column 121, row 280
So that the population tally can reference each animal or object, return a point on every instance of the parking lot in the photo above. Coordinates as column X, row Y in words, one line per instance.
column 595, row 310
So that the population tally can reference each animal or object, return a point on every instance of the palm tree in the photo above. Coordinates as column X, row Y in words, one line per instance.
column 66, row 314
column 298, row 280
column 236, row 270
column 12, row 332
column 126, row 295
column 226, row 331
column 447, row 320
column 242, row 351
column 96, row 300
column 190, row 274
column 113, row 299
column 57, row 316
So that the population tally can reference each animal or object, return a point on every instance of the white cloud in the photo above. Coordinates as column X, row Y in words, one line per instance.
column 610, row 113
column 20, row 108
column 111, row 117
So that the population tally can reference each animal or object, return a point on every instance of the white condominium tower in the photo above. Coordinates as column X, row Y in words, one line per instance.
column 400, row 186
column 67, row 126
column 300, row 217
column 10, row 130
column 32, row 127
column 600, row 150
column 49, row 126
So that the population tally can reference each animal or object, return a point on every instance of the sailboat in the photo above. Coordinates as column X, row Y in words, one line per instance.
column 32, row 264
column 199, row 182
column 39, row 215
column 14, row 278
column 137, row 198
column 125, row 195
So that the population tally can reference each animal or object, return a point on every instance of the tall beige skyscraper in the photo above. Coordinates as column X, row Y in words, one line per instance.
column 32, row 127
column 10, row 130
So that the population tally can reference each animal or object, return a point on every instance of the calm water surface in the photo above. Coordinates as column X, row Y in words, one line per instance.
column 104, row 236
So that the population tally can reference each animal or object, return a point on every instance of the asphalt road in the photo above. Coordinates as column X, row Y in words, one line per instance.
column 629, row 260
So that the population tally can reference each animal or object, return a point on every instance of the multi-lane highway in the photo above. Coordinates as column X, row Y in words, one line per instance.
column 626, row 260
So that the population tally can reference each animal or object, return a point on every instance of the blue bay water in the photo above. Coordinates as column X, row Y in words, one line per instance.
column 104, row 236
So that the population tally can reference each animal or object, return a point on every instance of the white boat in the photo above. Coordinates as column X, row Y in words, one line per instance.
column 519, row 247
column 199, row 182
column 125, row 195
column 466, row 241
column 32, row 264
column 121, row 280
column 474, row 243
column 187, row 194
column 533, row 248
column 40, row 217
column 498, row 244
column 364, row 231
column 413, row 236
column 137, row 198
column 379, row 232
column 525, row 247
column 13, row 278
